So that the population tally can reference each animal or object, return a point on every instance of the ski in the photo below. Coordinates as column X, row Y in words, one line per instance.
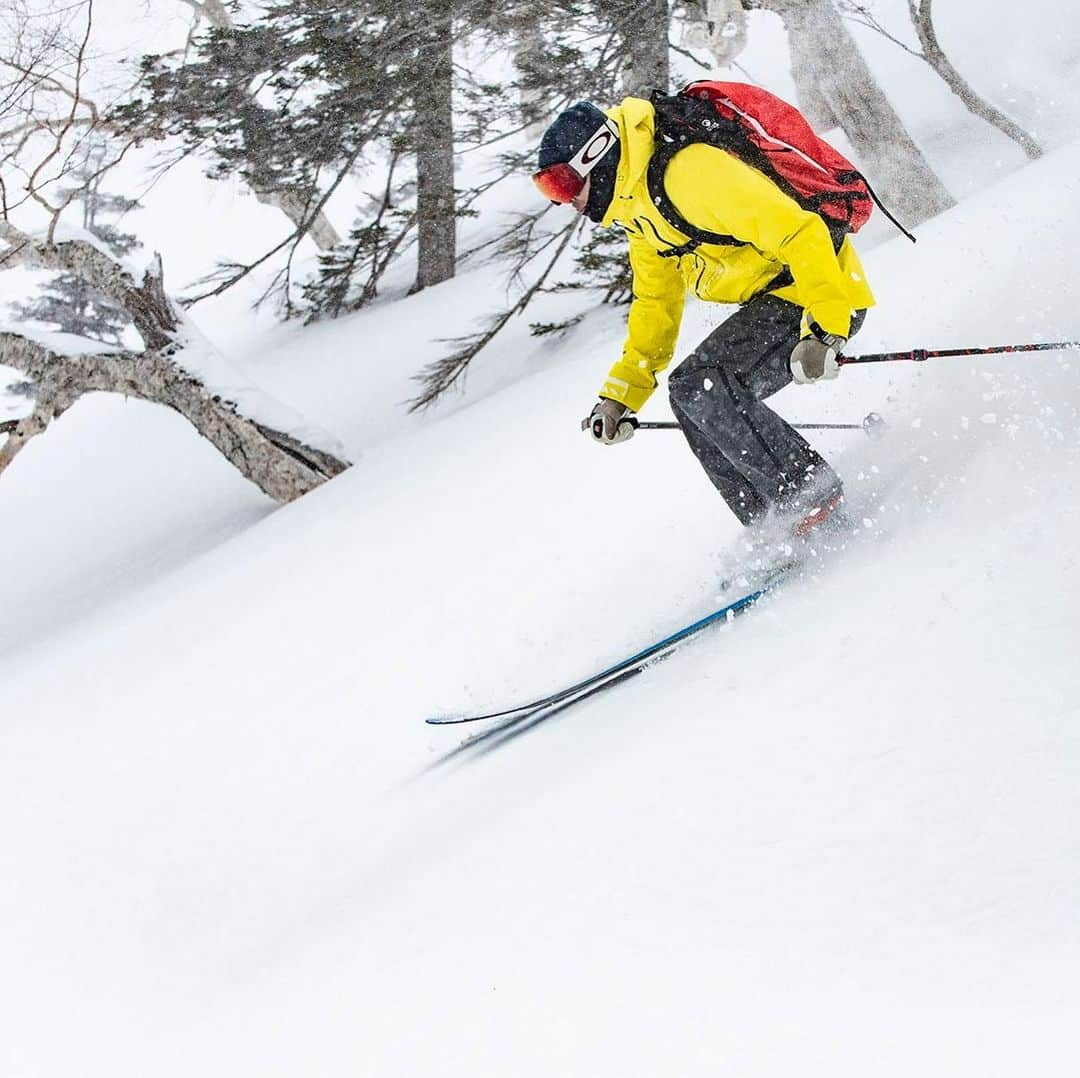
column 517, row 723
column 635, row 662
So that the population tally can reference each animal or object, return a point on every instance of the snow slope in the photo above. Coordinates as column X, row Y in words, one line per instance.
column 839, row 837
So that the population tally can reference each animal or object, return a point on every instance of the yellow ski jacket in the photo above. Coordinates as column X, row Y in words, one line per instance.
column 716, row 192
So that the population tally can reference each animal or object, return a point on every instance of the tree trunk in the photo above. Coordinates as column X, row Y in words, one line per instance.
column 644, row 26
column 923, row 18
column 435, row 203
column 827, row 58
column 528, row 46
column 280, row 464
column 811, row 96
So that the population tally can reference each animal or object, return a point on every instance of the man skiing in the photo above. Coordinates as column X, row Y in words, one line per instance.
column 800, row 286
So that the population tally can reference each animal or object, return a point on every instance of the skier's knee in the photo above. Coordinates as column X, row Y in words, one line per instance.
column 676, row 388
column 688, row 386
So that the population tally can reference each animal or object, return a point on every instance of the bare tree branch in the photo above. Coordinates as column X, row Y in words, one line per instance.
column 46, row 117
column 32, row 185
column 861, row 15
column 923, row 18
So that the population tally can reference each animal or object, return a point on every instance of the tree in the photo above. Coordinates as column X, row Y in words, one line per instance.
column 433, row 125
column 643, row 26
column 567, row 50
column 281, row 464
column 67, row 302
column 294, row 202
column 50, row 66
column 528, row 52
column 923, row 18
column 336, row 83
column 223, row 100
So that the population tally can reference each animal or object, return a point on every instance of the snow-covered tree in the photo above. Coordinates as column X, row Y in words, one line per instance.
column 338, row 84
column 175, row 366
column 169, row 370
column 67, row 302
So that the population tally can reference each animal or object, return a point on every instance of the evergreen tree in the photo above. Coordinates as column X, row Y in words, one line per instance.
column 634, row 34
column 567, row 50
column 67, row 303
column 339, row 84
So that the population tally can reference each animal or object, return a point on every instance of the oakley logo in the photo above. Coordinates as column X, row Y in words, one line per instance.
column 596, row 149
column 602, row 140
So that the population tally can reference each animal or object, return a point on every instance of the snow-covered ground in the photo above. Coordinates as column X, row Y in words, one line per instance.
column 838, row 837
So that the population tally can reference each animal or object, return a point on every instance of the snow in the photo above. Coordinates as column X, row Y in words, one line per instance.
column 837, row 836
column 116, row 496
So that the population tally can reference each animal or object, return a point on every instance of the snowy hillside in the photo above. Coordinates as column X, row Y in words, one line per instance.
column 838, row 837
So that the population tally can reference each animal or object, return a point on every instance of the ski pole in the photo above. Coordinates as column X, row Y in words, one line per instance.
column 920, row 355
column 873, row 424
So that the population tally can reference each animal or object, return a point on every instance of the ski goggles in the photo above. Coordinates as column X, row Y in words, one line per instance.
column 562, row 182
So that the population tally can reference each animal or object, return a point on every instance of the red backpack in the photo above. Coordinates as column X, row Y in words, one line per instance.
column 769, row 135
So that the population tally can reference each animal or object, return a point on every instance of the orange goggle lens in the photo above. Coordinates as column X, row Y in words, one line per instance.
column 559, row 183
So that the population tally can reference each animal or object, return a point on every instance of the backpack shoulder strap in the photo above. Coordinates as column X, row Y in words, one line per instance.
column 661, row 158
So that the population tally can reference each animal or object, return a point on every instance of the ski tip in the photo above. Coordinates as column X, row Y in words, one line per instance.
column 443, row 720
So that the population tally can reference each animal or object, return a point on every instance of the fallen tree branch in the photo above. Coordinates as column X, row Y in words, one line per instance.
column 146, row 303
column 47, row 406
column 278, row 462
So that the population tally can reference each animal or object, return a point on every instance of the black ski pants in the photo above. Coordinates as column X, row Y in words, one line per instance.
column 754, row 458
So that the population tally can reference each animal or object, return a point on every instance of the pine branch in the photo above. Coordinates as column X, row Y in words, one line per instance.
column 440, row 376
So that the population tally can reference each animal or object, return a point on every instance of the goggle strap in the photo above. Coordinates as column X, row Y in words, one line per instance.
column 589, row 156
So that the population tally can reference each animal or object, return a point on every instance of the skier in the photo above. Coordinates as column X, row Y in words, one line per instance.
column 800, row 288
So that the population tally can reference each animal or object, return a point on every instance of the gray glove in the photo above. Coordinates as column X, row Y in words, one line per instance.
column 814, row 358
column 609, row 422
